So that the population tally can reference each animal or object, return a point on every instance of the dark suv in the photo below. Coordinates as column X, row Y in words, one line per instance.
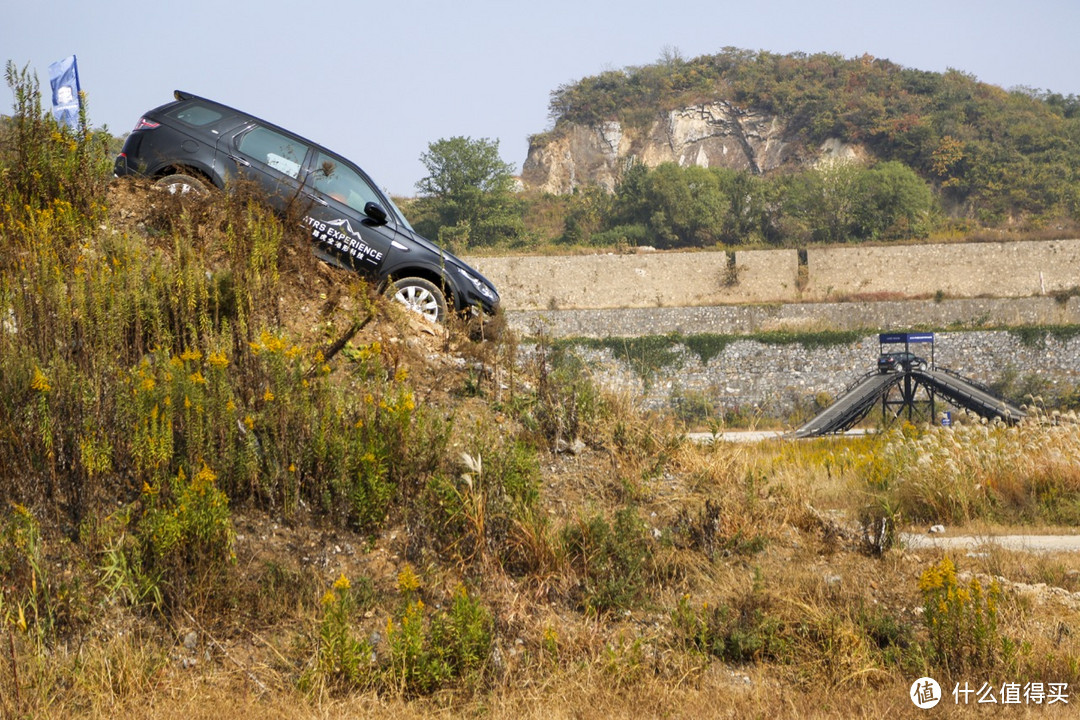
column 192, row 143
column 905, row 361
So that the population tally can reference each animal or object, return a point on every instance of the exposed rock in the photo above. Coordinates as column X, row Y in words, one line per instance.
column 716, row 134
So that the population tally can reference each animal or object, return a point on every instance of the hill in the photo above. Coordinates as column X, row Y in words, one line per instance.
column 987, row 152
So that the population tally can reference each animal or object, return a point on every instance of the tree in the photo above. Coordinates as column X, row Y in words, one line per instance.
column 688, row 206
column 459, row 165
column 825, row 199
column 468, row 193
column 894, row 202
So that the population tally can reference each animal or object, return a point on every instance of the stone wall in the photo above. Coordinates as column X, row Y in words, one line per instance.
column 689, row 279
column 965, row 288
column 776, row 378
column 872, row 317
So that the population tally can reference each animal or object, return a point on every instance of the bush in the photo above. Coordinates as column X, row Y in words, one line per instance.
column 185, row 531
column 428, row 651
column 44, row 162
column 747, row 633
column 612, row 561
column 962, row 621
column 342, row 661
column 477, row 513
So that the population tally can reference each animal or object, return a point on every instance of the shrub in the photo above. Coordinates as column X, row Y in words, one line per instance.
column 962, row 620
column 186, row 529
column 45, row 162
column 341, row 660
column 612, row 560
column 477, row 512
column 428, row 651
column 743, row 633
column 567, row 404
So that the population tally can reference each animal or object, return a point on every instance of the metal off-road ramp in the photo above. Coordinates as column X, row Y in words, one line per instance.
column 898, row 389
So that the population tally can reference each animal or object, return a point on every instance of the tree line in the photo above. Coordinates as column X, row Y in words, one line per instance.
column 668, row 206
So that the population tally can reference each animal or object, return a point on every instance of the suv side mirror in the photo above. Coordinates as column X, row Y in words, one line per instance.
column 376, row 212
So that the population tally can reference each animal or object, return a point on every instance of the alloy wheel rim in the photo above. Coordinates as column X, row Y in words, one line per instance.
column 419, row 301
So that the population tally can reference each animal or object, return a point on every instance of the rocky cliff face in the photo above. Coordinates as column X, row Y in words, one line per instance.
column 716, row 134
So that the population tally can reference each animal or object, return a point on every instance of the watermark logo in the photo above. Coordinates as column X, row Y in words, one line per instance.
column 925, row 693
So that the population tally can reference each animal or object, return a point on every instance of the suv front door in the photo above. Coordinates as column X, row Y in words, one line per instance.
column 337, row 220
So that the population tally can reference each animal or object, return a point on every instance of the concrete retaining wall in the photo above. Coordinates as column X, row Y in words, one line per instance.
column 641, row 280
column 683, row 279
column 1016, row 269
column 963, row 287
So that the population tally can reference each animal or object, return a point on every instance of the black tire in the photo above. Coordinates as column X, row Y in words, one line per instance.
column 182, row 185
column 421, row 296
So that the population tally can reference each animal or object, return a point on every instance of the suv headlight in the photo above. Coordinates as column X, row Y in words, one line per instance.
column 477, row 283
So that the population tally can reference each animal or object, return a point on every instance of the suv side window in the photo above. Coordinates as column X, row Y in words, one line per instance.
column 274, row 149
column 196, row 114
column 340, row 182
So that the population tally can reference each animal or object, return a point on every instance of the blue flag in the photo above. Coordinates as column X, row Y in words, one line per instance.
column 64, row 78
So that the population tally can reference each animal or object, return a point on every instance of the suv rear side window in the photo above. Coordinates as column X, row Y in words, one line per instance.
column 197, row 115
column 274, row 149
column 340, row 182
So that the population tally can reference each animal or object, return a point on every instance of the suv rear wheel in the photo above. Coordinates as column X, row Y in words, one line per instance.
column 182, row 185
column 420, row 296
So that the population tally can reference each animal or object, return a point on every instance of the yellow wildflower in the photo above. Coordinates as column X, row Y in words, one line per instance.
column 407, row 580
column 218, row 360
column 40, row 381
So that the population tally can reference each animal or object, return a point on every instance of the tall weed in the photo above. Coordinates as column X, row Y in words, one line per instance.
column 975, row 469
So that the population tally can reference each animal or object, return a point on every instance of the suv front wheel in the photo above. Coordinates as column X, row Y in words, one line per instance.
column 420, row 296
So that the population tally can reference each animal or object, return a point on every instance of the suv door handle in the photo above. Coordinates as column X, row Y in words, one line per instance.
column 240, row 161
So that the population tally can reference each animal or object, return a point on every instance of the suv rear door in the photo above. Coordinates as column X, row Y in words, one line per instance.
column 270, row 158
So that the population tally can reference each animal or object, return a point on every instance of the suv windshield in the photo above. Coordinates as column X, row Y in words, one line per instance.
column 397, row 213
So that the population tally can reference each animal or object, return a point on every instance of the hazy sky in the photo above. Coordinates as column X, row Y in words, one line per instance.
column 377, row 82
